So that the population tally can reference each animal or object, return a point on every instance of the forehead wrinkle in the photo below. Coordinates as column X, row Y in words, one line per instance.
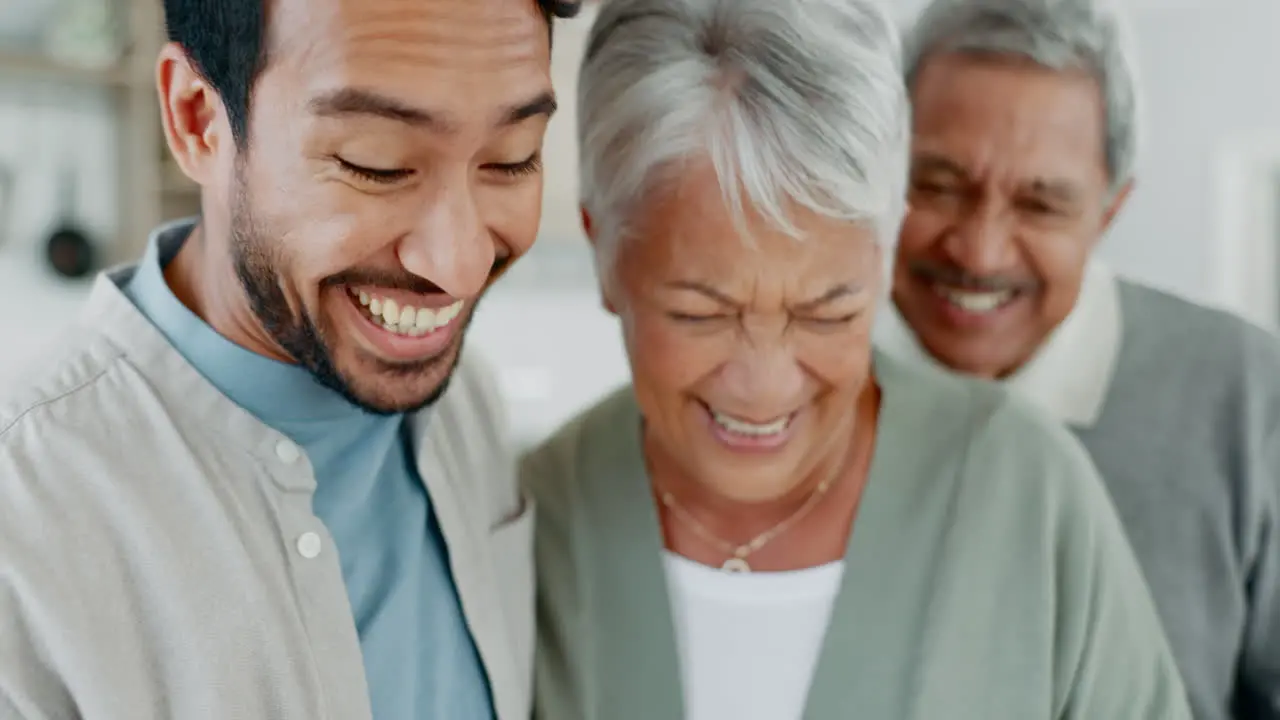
column 685, row 234
column 1016, row 142
column 476, row 34
column 397, row 44
column 346, row 38
column 767, row 288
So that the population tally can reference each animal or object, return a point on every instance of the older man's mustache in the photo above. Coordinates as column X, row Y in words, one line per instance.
column 957, row 277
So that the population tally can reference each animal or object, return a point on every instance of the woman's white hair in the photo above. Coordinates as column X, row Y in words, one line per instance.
column 793, row 101
column 1086, row 35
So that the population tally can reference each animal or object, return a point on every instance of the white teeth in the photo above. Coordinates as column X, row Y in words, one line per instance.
column 406, row 320
column 742, row 427
column 390, row 312
column 426, row 320
column 976, row 302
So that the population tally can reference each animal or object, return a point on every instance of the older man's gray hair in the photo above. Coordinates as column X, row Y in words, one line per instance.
column 793, row 101
column 1086, row 35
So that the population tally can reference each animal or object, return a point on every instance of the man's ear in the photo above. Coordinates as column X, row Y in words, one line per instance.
column 191, row 114
column 1117, row 203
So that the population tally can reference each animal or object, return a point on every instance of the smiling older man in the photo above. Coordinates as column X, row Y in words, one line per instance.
column 1023, row 153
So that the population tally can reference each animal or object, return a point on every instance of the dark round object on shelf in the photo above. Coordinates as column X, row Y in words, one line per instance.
column 70, row 253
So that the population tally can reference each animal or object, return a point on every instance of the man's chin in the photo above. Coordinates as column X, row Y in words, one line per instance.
column 373, row 378
column 389, row 388
column 389, row 404
column 975, row 359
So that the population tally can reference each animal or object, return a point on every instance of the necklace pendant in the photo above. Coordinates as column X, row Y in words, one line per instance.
column 736, row 565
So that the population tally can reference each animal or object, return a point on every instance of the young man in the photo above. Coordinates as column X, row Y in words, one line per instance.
column 262, row 479
column 1024, row 140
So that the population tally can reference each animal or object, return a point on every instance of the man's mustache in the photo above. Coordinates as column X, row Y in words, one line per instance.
column 407, row 282
column 957, row 277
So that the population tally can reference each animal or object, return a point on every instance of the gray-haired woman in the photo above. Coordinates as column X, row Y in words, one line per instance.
column 773, row 521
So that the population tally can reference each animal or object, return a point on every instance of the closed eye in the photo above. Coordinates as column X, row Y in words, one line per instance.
column 1038, row 207
column 687, row 318
column 530, row 166
column 376, row 175
column 832, row 322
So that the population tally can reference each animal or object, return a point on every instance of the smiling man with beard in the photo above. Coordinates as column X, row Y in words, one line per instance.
column 261, row 479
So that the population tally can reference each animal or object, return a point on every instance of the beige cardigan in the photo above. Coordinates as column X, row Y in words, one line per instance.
column 150, row 563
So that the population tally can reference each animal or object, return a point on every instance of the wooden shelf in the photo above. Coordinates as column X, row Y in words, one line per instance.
column 146, row 192
column 33, row 64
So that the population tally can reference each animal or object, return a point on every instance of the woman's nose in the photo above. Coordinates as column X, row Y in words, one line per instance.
column 767, row 378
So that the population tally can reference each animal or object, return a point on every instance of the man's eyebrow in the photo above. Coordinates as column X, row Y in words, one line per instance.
column 931, row 162
column 543, row 104
column 1058, row 189
column 355, row 101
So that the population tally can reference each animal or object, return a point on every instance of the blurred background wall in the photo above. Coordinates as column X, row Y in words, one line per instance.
column 79, row 145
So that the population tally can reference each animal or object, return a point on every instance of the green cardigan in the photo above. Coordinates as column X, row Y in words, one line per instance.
column 986, row 577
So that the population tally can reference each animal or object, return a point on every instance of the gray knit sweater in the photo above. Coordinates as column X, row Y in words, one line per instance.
column 1189, row 445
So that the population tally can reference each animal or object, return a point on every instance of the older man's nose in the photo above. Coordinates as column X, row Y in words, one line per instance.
column 982, row 243
column 449, row 244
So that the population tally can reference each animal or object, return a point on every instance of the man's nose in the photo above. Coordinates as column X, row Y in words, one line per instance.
column 982, row 243
column 449, row 244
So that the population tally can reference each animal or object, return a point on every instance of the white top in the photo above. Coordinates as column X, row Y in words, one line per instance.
column 749, row 643
column 1070, row 374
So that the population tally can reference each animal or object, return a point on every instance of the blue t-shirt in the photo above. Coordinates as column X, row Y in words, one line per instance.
column 420, row 660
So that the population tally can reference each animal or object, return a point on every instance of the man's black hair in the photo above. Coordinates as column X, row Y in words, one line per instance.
column 226, row 42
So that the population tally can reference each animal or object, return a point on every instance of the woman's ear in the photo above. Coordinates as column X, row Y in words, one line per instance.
column 605, row 300
column 603, row 281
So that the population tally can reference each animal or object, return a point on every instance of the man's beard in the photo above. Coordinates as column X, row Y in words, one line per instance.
column 297, row 333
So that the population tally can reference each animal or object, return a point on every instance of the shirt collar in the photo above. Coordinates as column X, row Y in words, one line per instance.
column 273, row 391
column 1071, row 373
column 110, row 327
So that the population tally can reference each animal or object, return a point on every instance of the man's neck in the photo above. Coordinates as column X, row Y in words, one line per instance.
column 202, row 279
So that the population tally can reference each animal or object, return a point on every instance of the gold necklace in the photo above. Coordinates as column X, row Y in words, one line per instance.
column 738, row 554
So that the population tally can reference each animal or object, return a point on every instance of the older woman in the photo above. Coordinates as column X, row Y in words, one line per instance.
column 773, row 522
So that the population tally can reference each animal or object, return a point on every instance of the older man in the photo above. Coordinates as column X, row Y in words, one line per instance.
column 241, row 488
column 1023, row 153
